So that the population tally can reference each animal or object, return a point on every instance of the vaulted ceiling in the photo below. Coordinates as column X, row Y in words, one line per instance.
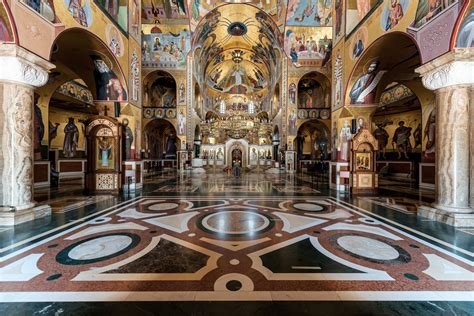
column 283, row 12
column 237, row 49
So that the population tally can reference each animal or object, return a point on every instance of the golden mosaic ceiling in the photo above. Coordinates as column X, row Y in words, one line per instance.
column 236, row 48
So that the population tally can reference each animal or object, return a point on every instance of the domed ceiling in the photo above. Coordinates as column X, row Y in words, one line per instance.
column 305, row 25
column 237, row 50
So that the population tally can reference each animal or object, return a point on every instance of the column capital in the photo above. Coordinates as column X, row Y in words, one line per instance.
column 453, row 68
column 22, row 66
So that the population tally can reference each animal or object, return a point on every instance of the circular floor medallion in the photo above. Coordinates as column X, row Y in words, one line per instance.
column 309, row 207
column 163, row 206
column 233, row 285
column 97, row 248
column 368, row 247
column 234, row 282
column 234, row 262
column 235, row 222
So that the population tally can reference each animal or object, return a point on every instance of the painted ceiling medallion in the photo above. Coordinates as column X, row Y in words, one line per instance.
column 237, row 29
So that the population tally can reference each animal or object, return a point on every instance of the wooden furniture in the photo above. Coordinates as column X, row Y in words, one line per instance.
column 104, row 161
column 362, row 163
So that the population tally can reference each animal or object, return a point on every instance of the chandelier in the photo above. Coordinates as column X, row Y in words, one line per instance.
column 237, row 124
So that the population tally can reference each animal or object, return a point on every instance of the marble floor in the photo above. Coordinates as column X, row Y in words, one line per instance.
column 259, row 244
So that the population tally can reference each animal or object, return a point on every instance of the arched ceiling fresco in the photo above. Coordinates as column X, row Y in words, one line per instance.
column 237, row 50
column 305, row 24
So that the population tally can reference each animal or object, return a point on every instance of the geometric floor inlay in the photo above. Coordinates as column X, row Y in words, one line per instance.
column 203, row 248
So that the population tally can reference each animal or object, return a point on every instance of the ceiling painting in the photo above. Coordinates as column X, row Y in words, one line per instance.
column 276, row 9
column 309, row 13
column 165, row 46
column 157, row 11
column 237, row 51
column 307, row 43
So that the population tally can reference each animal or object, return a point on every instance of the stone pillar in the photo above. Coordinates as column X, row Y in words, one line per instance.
column 21, row 72
column 451, row 77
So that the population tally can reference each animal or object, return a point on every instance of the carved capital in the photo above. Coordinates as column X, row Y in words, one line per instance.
column 454, row 68
column 19, row 70
column 19, row 65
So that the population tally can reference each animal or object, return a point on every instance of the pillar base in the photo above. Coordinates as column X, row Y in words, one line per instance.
column 9, row 218
column 450, row 218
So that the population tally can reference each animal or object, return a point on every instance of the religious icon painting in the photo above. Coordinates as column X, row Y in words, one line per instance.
column 181, row 93
column 392, row 13
column 359, row 42
column 325, row 114
column 339, row 24
column 302, row 114
column 80, row 10
column 114, row 40
column 148, row 113
column 313, row 114
column 105, row 153
column 108, row 86
column 465, row 36
column 171, row 113
column 292, row 92
column 116, row 10
column 364, row 89
column 134, row 18
column 6, row 31
column 44, row 7
column 159, row 113
column 362, row 161
column 303, row 14
column 427, row 10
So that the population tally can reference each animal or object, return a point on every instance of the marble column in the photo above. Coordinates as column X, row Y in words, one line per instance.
column 451, row 77
column 21, row 72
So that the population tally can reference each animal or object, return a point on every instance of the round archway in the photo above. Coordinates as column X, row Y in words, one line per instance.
column 391, row 58
column 314, row 91
column 160, row 90
column 312, row 142
column 160, row 141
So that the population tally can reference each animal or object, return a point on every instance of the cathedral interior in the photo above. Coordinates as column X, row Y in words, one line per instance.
column 259, row 157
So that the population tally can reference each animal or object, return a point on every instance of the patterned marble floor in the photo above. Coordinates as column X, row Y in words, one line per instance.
column 261, row 250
